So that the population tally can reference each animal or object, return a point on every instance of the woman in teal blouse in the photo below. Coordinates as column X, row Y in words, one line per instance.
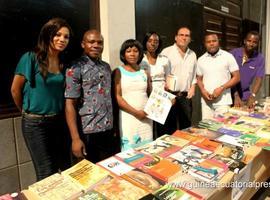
column 38, row 92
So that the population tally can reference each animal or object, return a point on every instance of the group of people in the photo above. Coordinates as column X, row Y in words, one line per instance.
column 56, row 99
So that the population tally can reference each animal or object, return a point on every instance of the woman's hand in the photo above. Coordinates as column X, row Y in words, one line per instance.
column 140, row 115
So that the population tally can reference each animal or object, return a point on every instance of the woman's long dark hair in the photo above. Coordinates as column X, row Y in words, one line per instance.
column 47, row 32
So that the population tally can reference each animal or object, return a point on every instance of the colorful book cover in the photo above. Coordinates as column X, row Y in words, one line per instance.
column 173, row 193
column 263, row 143
column 165, row 170
column 203, row 132
column 209, row 144
column 190, row 156
column 234, row 165
column 232, row 141
column 263, row 132
column 118, row 189
column 226, row 118
column 134, row 158
column 210, row 124
column 230, row 151
column 194, row 186
column 55, row 187
column 245, row 126
column 228, row 131
column 209, row 170
column 86, row 174
column 115, row 166
column 177, row 141
column 258, row 115
column 158, row 148
column 250, row 138
column 143, row 180
column 158, row 105
column 187, row 136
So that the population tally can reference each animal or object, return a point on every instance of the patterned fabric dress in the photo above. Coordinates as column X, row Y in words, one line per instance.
column 134, row 132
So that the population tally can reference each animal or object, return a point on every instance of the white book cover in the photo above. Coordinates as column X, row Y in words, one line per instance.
column 159, row 105
column 115, row 166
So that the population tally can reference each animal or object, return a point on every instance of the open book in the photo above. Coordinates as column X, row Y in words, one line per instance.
column 70, row 184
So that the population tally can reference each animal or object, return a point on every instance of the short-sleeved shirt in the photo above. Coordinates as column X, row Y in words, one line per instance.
column 90, row 82
column 216, row 71
column 183, row 68
column 40, row 96
column 254, row 67
column 159, row 71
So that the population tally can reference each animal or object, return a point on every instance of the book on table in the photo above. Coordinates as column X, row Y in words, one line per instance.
column 117, row 188
column 70, row 184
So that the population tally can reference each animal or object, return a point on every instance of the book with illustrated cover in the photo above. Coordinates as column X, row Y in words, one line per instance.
column 92, row 195
column 143, row 180
column 226, row 118
column 134, row 158
column 169, row 192
column 235, row 141
column 86, row 174
column 234, row 165
column 209, row 144
column 210, row 124
column 165, row 170
column 174, row 140
column 115, row 166
column 263, row 132
column 158, row 105
column 209, row 170
column 118, row 189
column 250, row 138
column 187, row 136
column 230, row 151
column 190, row 156
column 263, row 143
column 54, row 187
column 245, row 126
column 203, row 132
column 195, row 185
column 158, row 148
column 228, row 131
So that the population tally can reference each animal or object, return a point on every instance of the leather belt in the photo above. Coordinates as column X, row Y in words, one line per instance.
column 181, row 94
column 32, row 115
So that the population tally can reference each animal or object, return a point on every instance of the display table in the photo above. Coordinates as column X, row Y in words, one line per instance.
column 260, row 172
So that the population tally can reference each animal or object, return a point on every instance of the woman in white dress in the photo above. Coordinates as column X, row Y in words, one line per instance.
column 157, row 65
column 132, row 87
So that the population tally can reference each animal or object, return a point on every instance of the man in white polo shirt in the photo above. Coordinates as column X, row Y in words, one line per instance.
column 217, row 72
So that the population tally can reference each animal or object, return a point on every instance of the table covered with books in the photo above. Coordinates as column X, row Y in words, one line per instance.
column 226, row 157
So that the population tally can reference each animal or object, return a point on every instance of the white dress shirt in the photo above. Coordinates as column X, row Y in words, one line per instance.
column 182, row 67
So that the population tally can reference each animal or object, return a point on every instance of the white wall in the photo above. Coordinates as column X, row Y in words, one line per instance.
column 117, row 24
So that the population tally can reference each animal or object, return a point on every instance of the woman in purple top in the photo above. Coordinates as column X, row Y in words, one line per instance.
column 252, row 67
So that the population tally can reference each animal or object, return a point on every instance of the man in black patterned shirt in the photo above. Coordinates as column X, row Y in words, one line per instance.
column 88, row 88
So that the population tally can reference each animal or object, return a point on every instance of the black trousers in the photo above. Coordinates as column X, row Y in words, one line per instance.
column 48, row 142
column 101, row 145
column 179, row 116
